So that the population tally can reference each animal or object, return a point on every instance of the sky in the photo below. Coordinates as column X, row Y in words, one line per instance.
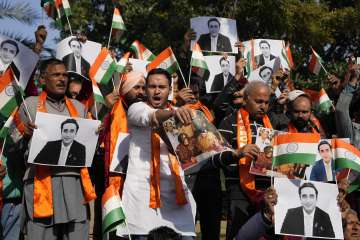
column 10, row 25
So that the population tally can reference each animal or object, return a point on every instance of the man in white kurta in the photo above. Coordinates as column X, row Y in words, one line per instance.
column 136, row 194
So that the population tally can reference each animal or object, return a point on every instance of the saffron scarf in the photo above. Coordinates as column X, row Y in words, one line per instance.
column 244, row 136
column 199, row 106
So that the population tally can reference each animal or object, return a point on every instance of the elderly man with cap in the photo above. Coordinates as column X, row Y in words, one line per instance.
column 301, row 117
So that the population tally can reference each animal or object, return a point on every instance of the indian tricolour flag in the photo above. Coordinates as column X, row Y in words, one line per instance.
column 141, row 52
column 65, row 7
column 165, row 60
column 103, row 68
column 117, row 25
column 315, row 62
column 346, row 155
column 325, row 104
column 112, row 212
column 98, row 97
column 286, row 54
column 10, row 96
column 13, row 127
column 198, row 63
column 295, row 148
column 120, row 66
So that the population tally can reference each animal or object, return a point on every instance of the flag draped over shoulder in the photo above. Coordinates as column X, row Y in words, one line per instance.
column 141, row 52
column 165, row 60
column 198, row 63
column 120, row 66
column 315, row 62
column 295, row 148
column 117, row 25
column 346, row 155
column 112, row 212
column 103, row 68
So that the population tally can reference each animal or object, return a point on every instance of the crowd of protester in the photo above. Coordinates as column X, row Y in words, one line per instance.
column 250, row 199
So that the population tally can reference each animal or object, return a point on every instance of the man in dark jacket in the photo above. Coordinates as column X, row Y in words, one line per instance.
column 214, row 41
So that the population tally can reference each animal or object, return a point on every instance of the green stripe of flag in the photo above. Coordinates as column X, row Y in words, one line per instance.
column 109, row 72
column 173, row 68
column 325, row 106
column 118, row 25
column 341, row 163
column 113, row 219
column 303, row 158
column 198, row 63
column 9, row 107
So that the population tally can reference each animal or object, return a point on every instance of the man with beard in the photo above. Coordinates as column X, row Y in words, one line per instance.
column 155, row 193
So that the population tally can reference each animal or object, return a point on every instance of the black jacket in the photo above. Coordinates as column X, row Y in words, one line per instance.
column 223, row 43
column 51, row 152
column 69, row 61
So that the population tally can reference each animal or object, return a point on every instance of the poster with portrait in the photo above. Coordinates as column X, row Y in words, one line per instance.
column 19, row 58
column 222, row 71
column 324, row 168
column 78, row 56
column 263, row 164
column 120, row 157
column 194, row 143
column 307, row 209
column 63, row 141
column 265, row 57
column 215, row 34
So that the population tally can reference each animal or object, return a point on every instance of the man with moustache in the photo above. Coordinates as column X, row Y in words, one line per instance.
column 240, row 185
column 155, row 193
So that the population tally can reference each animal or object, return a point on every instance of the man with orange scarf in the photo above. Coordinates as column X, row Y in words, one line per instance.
column 239, row 129
column 155, row 193
column 55, row 197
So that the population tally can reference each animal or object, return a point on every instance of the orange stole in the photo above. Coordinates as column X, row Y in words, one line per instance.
column 118, row 125
column 199, row 106
column 247, row 181
column 43, row 204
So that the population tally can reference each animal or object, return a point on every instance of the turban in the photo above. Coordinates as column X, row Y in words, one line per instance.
column 130, row 80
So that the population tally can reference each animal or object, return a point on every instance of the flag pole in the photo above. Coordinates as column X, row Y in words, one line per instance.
column 108, row 45
column 96, row 110
column 189, row 75
column 326, row 72
column 69, row 25
column 347, row 176
column 23, row 99
column 2, row 149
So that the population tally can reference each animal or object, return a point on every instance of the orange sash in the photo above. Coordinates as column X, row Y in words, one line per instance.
column 199, row 106
column 155, row 174
column 314, row 120
column 247, row 181
column 118, row 125
column 43, row 204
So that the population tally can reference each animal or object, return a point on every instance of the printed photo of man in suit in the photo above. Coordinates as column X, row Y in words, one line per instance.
column 74, row 61
column 324, row 169
column 266, row 57
column 66, row 151
column 9, row 49
column 214, row 41
column 221, row 79
column 308, row 220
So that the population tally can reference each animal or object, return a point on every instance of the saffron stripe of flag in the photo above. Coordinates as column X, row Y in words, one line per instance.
column 198, row 63
column 98, row 97
column 141, row 52
column 13, row 127
column 295, row 148
column 9, row 96
column 315, row 62
column 165, row 60
column 103, row 68
column 112, row 213
column 346, row 155
column 120, row 67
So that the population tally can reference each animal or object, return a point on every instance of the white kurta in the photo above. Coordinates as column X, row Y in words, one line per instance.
column 136, row 194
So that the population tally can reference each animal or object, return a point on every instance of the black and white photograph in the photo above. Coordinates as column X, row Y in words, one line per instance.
column 19, row 58
column 222, row 71
column 307, row 209
column 120, row 159
column 215, row 34
column 265, row 57
column 63, row 141
column 78, row 56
